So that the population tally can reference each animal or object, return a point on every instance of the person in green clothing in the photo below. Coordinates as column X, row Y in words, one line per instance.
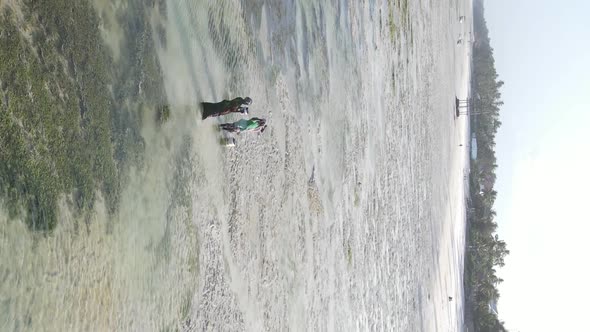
column 236, row 105
column 243, row 125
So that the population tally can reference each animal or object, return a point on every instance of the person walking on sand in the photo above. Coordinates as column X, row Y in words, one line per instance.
column 243, row 125
column 236, row 105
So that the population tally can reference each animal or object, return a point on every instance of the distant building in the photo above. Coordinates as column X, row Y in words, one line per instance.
column 473, row 147
column 486, row 184
column 493, row 306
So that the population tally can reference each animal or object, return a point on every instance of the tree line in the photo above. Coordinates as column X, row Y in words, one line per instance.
column 485, row 251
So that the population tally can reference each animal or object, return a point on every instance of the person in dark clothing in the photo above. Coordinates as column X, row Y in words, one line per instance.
column 237, row 105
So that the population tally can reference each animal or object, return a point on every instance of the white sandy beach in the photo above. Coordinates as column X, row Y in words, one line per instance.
column 449, row 281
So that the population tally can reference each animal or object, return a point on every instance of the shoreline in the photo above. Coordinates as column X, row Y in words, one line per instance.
column 448, row 282
column 468, row 319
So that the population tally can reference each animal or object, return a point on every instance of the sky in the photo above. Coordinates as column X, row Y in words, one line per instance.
column 542, row 52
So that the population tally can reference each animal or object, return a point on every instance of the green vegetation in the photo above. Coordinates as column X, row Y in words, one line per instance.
column 69, row 115
column 401, row 6
column 55, row 121
column 349, row 254
column 485, row 251
column 163, row 114
column 392, row 27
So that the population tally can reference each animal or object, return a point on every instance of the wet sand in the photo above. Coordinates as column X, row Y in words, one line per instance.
column 239, row 238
